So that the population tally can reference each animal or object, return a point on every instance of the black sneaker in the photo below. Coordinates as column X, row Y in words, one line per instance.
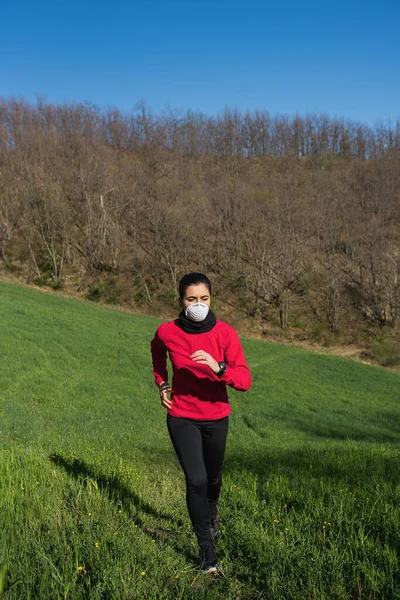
column 208, row 560
column 214, row 524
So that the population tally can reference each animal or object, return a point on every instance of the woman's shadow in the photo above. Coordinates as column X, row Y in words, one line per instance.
column 122, row 495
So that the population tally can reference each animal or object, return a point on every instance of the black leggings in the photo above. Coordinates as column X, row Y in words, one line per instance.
column 200, row 448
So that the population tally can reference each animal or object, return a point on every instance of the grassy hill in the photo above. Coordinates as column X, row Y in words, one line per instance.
column 92, row 498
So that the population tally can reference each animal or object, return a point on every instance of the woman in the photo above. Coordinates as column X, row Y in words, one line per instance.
column 206, row 356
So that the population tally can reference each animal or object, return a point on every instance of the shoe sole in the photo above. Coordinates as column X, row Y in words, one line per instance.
column 209, row 570
column 212, row 571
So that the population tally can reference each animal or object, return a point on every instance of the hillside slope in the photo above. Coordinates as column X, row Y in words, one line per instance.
column 92, row 499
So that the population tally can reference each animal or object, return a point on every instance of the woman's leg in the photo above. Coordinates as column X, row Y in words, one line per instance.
column 187, row 440
column 214, row 435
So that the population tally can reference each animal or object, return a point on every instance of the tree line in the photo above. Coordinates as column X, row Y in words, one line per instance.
column 297, row 218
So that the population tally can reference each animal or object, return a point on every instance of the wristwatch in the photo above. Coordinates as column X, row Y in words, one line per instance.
column 222, row 369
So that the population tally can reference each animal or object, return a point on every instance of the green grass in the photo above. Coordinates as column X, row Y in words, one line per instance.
column 92, row 498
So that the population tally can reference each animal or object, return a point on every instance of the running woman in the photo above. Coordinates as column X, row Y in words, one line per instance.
column 206, row 357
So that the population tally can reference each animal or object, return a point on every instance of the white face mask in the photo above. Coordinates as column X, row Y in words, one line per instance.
column 197, row 311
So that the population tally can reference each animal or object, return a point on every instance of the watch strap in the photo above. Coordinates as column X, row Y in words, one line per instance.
column 222, row 369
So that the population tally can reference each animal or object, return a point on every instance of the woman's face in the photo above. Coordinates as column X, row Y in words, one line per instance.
column 195, row 293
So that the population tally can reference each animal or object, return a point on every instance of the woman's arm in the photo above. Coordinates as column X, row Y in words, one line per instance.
column 160, row 372
column 159, row 358
column 237, row 373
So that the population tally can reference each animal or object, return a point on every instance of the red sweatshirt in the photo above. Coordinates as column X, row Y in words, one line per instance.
column 197, row 393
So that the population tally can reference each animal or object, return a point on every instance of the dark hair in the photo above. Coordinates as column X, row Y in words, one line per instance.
column 193, row 279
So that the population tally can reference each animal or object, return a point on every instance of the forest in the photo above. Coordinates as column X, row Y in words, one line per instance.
column 296, row 219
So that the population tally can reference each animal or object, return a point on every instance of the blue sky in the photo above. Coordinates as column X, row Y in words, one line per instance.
column 338, row 57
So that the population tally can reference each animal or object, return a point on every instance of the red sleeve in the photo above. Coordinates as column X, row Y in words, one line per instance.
column 237, row 373
column 159, row 358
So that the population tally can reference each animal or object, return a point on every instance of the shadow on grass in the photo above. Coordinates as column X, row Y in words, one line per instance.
column 345, row 447
column 375, row 427
column 344, row 465
column 344, row 462
column 381, row 428
column 124, row 496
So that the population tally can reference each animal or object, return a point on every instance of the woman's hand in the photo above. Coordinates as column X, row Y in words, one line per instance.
column 165, row 389
column 206, row 359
